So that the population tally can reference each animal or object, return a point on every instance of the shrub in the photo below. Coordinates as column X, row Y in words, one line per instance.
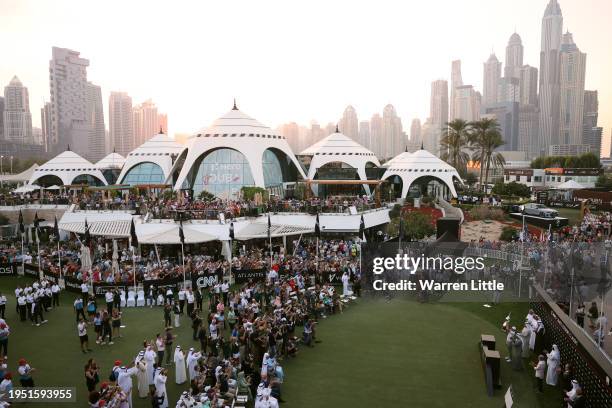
column 483, row 212
column 507, row 234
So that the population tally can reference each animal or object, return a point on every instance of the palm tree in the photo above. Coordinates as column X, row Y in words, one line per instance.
column 485, row 138
column 455, row 140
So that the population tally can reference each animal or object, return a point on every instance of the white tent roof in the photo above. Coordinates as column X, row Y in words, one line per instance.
column 26, row 189
column 112, row 161
column 411, row 166
column 570, row 185
column 238, row 131
column 160, row 149
column 168, row 233
column 21, row 177
column 67, row 166
column 340, row 145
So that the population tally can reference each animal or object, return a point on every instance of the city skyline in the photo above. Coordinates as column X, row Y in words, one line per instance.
column 290, row 87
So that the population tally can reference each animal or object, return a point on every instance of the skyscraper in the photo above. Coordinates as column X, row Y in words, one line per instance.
column 45, row 121
column 514, row 56
column 391, row 133
column 467, row 103
column 491, row 76
column 17, row 117
column 552, row 26
column 146, row 122
column 96, row 144
column 591, row 133
column 1, row 118
column 529, row 129
column 528, row 82
column 364, row 134
column 349, row 125
column 438, row 112
column 456, row 81
column 376, row 135
column 572, row 67
column 415, row 131
column 121, row 123
column 69, row 98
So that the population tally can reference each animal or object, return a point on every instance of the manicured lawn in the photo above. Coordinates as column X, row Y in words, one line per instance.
column 376, row 354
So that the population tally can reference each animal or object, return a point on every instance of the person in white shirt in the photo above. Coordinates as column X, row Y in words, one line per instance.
column 160, row 387
column 169, row 296
column 108, row 297
column 84, row 289
column 181, row 299
column 179, row 363
column 160, row 344
column 55, row 292
column 82, row 330
column 225, row 291
column 190, row 301
column 540, row 370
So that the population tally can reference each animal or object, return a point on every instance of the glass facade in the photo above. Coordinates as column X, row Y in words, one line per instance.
column 272, row 169
column 223, row 172
column 144, row 173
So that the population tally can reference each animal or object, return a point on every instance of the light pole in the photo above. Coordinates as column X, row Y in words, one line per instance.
column 1, row 182
column 11, row 164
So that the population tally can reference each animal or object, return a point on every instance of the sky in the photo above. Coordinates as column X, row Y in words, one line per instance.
column 287, row 60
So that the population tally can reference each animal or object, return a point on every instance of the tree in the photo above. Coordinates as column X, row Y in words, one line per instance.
column 511, row 189
column 454, row 142
column 604, row 181
column 418, row 225
column 584, row 161
column 470, row 179
column 485, row 138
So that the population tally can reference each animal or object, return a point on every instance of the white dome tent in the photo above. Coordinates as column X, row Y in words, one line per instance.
column 236, row 151
column 338, row 148
column 65, row 169
column 410, row 167
column 111, row 166
column 151, row 162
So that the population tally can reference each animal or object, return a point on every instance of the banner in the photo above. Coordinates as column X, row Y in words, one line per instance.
column 204, row 281
column 331, row 278
column 8, row 269
column 246, row 275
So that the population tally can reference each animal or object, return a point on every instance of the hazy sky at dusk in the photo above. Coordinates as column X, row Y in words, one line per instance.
column 287, row 60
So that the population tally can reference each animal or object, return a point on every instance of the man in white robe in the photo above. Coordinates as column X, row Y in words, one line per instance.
column 532, row 338
column 553, row 361
column 192, row 362
column 160, row 387
column 149, row 358
column 179, row 363
column 141, row 375
column 124, row 380
column 345, row 284
column 526, row 337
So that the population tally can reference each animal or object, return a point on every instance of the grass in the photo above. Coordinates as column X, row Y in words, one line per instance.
column 376, row 354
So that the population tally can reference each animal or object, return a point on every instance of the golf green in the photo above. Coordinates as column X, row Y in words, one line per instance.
column 375, row 354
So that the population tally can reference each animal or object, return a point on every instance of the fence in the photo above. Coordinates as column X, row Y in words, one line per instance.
column 592, row 369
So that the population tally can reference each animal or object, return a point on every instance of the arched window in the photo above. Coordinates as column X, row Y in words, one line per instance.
column 222, row 172
column 144, row 173
column 87, row 179
column 272, row 169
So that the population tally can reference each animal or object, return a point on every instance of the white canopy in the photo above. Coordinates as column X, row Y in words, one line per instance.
column 26, row 189
column 166, row 233
column 570, row 185
column 53, row 187
column 21, row 177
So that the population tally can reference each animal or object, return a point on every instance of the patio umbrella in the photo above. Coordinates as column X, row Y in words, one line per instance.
column 115, row 256
column 86, row 259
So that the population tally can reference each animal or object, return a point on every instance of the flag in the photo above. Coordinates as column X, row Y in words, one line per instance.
column 56, row 229
column 87, row 236
column 317, row 227
column 181, row 233
column 37, row 227
column 269, row 228
column 21, row 226
column 362, row 229
column 549, row 236
column 524, row 235
column 133, row 237
column 231, row 231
